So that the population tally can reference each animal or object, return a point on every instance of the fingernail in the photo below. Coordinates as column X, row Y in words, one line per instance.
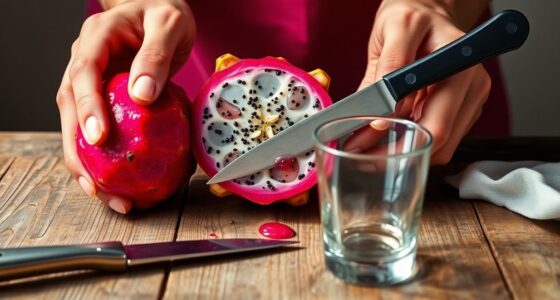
column 379, row 124
column 117, row 205
column 144, row 88
column 86, row 186
column 93, row 130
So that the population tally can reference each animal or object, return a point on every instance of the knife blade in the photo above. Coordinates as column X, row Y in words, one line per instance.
column 506, row 31
column 114, row 256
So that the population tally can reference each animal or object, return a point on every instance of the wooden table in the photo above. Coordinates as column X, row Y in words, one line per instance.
column 467, row 249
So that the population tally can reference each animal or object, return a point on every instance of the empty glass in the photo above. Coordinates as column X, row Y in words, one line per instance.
column 372, row 174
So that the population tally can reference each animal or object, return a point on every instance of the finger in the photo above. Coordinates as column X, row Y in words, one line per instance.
column 441, row 107
column 69, row 123
column 401, row 39
column 119, row 204
column 365, row 137
column 164, row 33
column 85, row 75
column 476, row 96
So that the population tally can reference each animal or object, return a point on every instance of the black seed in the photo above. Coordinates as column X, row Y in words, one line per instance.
column 225, row 85
column 129, row 156
column 209, row 150
column 301, row 176
column 218, row 151
column 217, row 164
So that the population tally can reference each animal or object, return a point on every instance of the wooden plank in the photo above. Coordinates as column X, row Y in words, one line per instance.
column 526, row 251
column 30, row 143
column 455, row 258
column 40, row 204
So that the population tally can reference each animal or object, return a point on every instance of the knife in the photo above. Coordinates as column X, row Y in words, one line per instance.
column 114, row 256
column 506, row 31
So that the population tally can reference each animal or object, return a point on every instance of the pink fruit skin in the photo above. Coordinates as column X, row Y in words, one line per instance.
column 256, row 195
column 146, row 156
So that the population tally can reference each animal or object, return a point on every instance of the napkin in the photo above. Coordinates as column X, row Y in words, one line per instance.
column 529, row 188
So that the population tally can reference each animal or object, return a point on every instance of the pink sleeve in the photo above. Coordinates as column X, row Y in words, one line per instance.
column 93, row 7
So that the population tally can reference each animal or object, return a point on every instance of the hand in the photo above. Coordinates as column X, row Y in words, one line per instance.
column 153, row 37
column 405, row 30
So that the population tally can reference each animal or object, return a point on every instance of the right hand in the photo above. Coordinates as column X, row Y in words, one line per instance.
column 153, row 37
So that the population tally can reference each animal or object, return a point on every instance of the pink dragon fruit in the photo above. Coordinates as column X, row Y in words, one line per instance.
column 246, row 102
column 146, row 156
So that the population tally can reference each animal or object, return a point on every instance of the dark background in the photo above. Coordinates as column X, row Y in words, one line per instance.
column 35, row 39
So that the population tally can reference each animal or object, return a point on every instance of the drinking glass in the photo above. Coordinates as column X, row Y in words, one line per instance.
column 372, row 175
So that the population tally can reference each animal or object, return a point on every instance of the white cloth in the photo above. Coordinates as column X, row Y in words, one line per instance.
column 530, row 188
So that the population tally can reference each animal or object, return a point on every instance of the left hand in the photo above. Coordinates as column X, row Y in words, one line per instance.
column 405, row 30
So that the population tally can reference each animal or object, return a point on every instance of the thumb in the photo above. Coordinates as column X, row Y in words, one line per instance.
column 150, row 68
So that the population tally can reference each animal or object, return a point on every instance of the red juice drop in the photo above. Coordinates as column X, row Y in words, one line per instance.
column 276, row 230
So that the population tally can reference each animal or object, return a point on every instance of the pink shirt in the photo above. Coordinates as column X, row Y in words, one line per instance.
column 331, row 35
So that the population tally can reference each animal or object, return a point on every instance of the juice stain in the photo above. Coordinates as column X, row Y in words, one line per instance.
column 275, row 230
column 213, row 235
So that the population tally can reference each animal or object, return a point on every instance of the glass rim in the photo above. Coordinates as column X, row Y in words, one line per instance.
column 322, row 146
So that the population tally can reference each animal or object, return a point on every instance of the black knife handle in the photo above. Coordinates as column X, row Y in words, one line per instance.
column 506, row 31
column 21, row 262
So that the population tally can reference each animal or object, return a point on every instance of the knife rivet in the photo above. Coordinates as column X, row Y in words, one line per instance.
column 410, row 78
column 466, row 51
column 511, row 28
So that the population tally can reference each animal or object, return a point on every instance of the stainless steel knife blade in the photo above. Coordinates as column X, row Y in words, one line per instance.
column 506, row 31
column 143, row 254
column 297, row 138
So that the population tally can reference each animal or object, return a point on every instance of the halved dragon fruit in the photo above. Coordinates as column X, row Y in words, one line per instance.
column 246, row 102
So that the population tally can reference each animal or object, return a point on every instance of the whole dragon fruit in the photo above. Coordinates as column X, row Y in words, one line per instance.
column 146, row 156
column 246, row 102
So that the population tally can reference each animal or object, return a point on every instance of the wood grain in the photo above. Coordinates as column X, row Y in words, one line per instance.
column 526, row 250
column 40, row 204
column 508, row 256
column 455, row 257
column 31, row 143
